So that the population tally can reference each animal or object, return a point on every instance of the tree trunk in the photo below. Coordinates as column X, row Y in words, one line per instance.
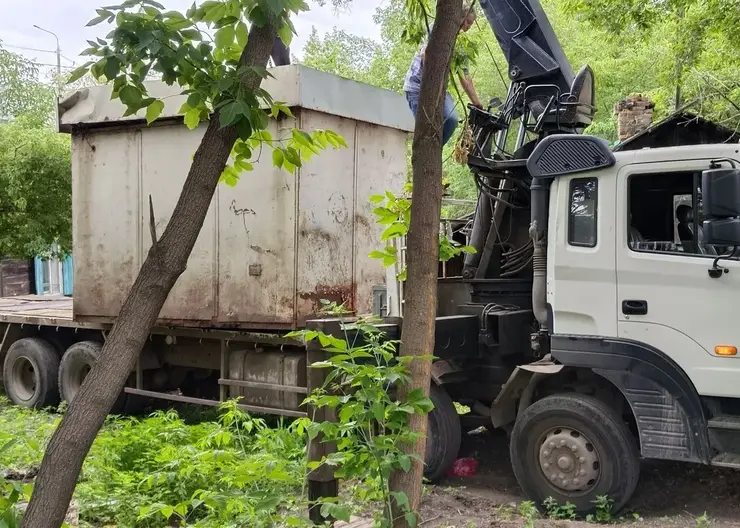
column 420, row 305
column 166, row 261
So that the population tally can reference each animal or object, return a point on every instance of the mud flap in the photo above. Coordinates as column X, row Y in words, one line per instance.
column 504, row 407
column 664, row 428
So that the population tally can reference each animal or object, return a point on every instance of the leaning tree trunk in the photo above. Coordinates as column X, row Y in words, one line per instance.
column 166, row 261
column 420, row 304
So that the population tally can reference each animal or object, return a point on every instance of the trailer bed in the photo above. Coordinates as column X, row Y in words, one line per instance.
column 38, row 309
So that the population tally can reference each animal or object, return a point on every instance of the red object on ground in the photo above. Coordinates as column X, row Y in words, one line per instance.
column 463, row 467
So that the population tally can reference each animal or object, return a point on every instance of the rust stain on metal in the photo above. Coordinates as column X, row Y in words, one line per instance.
column 340, row 294
column 317, row 233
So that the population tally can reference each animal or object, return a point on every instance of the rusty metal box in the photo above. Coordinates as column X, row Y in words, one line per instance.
column 272, row 246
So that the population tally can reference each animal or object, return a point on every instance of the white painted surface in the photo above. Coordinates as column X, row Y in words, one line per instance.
column 581, row 281
column 689, row 313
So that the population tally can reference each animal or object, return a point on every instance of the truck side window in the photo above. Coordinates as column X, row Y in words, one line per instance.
column 665, row 213
column 582, row 220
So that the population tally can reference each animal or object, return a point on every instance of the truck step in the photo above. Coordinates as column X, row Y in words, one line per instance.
column 728, row 460
column 729, row 423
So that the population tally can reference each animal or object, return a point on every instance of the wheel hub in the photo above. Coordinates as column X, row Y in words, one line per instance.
column 23, row 378
column 569, row 460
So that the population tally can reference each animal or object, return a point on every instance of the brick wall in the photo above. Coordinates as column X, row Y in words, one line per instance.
column 15, row 277
column 634, row 114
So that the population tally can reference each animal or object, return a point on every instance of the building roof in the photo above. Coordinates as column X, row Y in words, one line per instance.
column 679, row 129
column 295, row 85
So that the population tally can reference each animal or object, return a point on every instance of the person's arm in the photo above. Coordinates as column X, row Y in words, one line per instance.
column 469, row 87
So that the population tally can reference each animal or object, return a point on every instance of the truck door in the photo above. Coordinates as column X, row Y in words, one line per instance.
column 581, row 277
column 666, row 298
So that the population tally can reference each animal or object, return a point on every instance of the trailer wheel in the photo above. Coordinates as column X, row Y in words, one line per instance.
column 30, row 373
column 444, row 435
column 76, row 364
column 573, row 448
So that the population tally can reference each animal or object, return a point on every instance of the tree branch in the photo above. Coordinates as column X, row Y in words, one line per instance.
column 152, row 225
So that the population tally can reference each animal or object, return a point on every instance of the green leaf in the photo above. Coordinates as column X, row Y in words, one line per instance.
column 265, row 136
column 243, row 165
column 224, row 37
column 79, row 72
column 302, row 138
column 191, row 34
column 229, row 114
column 154, row 110
column 292, row 156
column 401, row 498
column 278, row 157
column 405, row 462
column 192, row 118
column 337, row 511
column 410, row 519
column 97, row 20
column 230, row 176
column 167, row 511
column 395, row 230
column 242, row 34
column 112, row 68
column 285, row 32
column 130, row 95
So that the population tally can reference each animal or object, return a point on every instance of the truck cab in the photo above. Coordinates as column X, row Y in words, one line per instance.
column 634, row 348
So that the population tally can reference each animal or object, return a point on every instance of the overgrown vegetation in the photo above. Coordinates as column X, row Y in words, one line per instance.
column 241, row 470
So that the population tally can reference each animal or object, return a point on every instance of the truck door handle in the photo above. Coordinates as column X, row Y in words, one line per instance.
column 632, row 307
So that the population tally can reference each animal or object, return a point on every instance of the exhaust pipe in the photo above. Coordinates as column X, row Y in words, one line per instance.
column 537, row 230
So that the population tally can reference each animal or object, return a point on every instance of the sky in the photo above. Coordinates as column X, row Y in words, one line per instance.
column 67, row 18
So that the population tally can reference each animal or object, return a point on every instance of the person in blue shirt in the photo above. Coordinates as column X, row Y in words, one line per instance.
column 412, row 83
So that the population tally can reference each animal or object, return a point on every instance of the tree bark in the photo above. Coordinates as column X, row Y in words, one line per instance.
column 420, row 304
column 166, row 261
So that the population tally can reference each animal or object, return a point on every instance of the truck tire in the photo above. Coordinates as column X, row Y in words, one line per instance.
column 30, row 373
column 76, row 364
column 573, row 448
column 444, row 435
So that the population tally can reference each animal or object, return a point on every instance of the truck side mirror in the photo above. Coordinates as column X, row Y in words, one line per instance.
column 721, row 206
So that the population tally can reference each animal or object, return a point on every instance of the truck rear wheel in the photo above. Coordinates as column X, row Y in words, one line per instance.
column 574, row 448
column 444, row 435
column 76, row 364
column 30, row 373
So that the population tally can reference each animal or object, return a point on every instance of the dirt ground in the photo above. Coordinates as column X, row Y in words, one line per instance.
column 668, row 495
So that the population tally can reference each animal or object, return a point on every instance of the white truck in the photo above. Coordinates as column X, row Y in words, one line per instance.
column 594, row 323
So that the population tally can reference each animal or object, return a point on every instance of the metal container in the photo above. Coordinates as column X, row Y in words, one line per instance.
column 268, row 367
column 273, row 246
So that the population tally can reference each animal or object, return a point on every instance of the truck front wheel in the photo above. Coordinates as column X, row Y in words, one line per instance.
column 30, row 373
column 574, row 448
column 443, row 434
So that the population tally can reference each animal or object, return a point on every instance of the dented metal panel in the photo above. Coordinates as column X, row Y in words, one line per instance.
column 106, row 219
column 326, row 221
column 380, row 167
column 256, row 241
column 165, row 157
